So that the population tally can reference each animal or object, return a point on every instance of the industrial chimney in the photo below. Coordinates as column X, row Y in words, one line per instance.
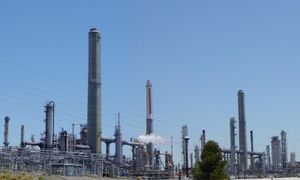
column 49, row 135
column 242, row 131
column 149, row 120
column 94, row 93
column 6, row 121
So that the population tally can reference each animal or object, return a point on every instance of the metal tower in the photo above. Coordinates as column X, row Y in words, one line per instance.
column 184, row 133
column 22, row 136
column 276, row 153
column 197, row 153
column 252, row 149
column 94, row 93
column 49, row 135
column 268, row 158
column 202, row 139
column 149, row 120
column 242, row 131
column 284, row 149
column 232, row 146
column 6, row 121
column 118, row 138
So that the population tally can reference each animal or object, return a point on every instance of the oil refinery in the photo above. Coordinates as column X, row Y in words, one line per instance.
column 68, row 154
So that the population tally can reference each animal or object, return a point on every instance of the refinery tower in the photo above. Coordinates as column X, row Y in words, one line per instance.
column 149, row 120
column 94, row 93
column 242, row 131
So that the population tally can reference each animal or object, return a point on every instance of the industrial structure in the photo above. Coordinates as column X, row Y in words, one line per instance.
column 6, row 124
column 276, row 153
column 293, row 158
column 269, row 166
column 232, row 164
column 242, row 132
column 184, row 133
column 202, row 139
column 149, row 121
column 197, row 153
column 94, row 93
column 64, row 153
column 284, row 149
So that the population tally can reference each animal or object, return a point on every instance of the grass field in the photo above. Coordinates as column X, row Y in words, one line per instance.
column 7, row 175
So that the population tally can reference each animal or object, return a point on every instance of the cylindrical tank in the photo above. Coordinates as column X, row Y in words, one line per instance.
column 94, row 92
column 49, row 110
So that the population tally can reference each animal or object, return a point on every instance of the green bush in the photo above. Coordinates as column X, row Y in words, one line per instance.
column 211, row 166
column 41, row 178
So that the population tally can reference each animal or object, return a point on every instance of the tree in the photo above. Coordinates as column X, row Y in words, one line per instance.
column 211, row 166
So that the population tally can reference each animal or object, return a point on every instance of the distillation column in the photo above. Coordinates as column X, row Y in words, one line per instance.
column 252, row 149
column 232, row 146
column 284, row 158
column 6, row 121
column 268, row 158
column 202, row 139
column 49, row 135
column 22, row 136
column 94, row 93
column 149, row 120
column 242, row 131
column 119, row 143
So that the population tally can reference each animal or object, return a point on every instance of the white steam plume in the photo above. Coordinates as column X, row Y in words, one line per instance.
column 152, row 138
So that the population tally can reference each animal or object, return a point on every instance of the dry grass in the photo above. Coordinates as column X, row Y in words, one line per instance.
column 7, row 175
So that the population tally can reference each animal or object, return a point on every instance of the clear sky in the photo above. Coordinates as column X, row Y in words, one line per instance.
column 197, row 54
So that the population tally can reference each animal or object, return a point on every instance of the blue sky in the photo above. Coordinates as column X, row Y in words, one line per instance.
column 197, row 54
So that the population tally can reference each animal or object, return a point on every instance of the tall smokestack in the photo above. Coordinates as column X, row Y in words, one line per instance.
column 94, row 93
column 22, row 136
column 149, row 123
column 242, row 131
column 49, row 110
column 6, row 121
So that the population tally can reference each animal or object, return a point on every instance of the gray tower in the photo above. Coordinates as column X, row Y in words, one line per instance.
column 242, row 131
column 252, row 149
column 197, row 153
column 6, row 121
column 232, row 146
column 284, row 149
column 149, row 120
column 268, row 158
column 184, row 133
column 119, row 145
column 276, row 153
column 202, row 139
column 49, row 135
column 94, row 93
column 22, row 136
